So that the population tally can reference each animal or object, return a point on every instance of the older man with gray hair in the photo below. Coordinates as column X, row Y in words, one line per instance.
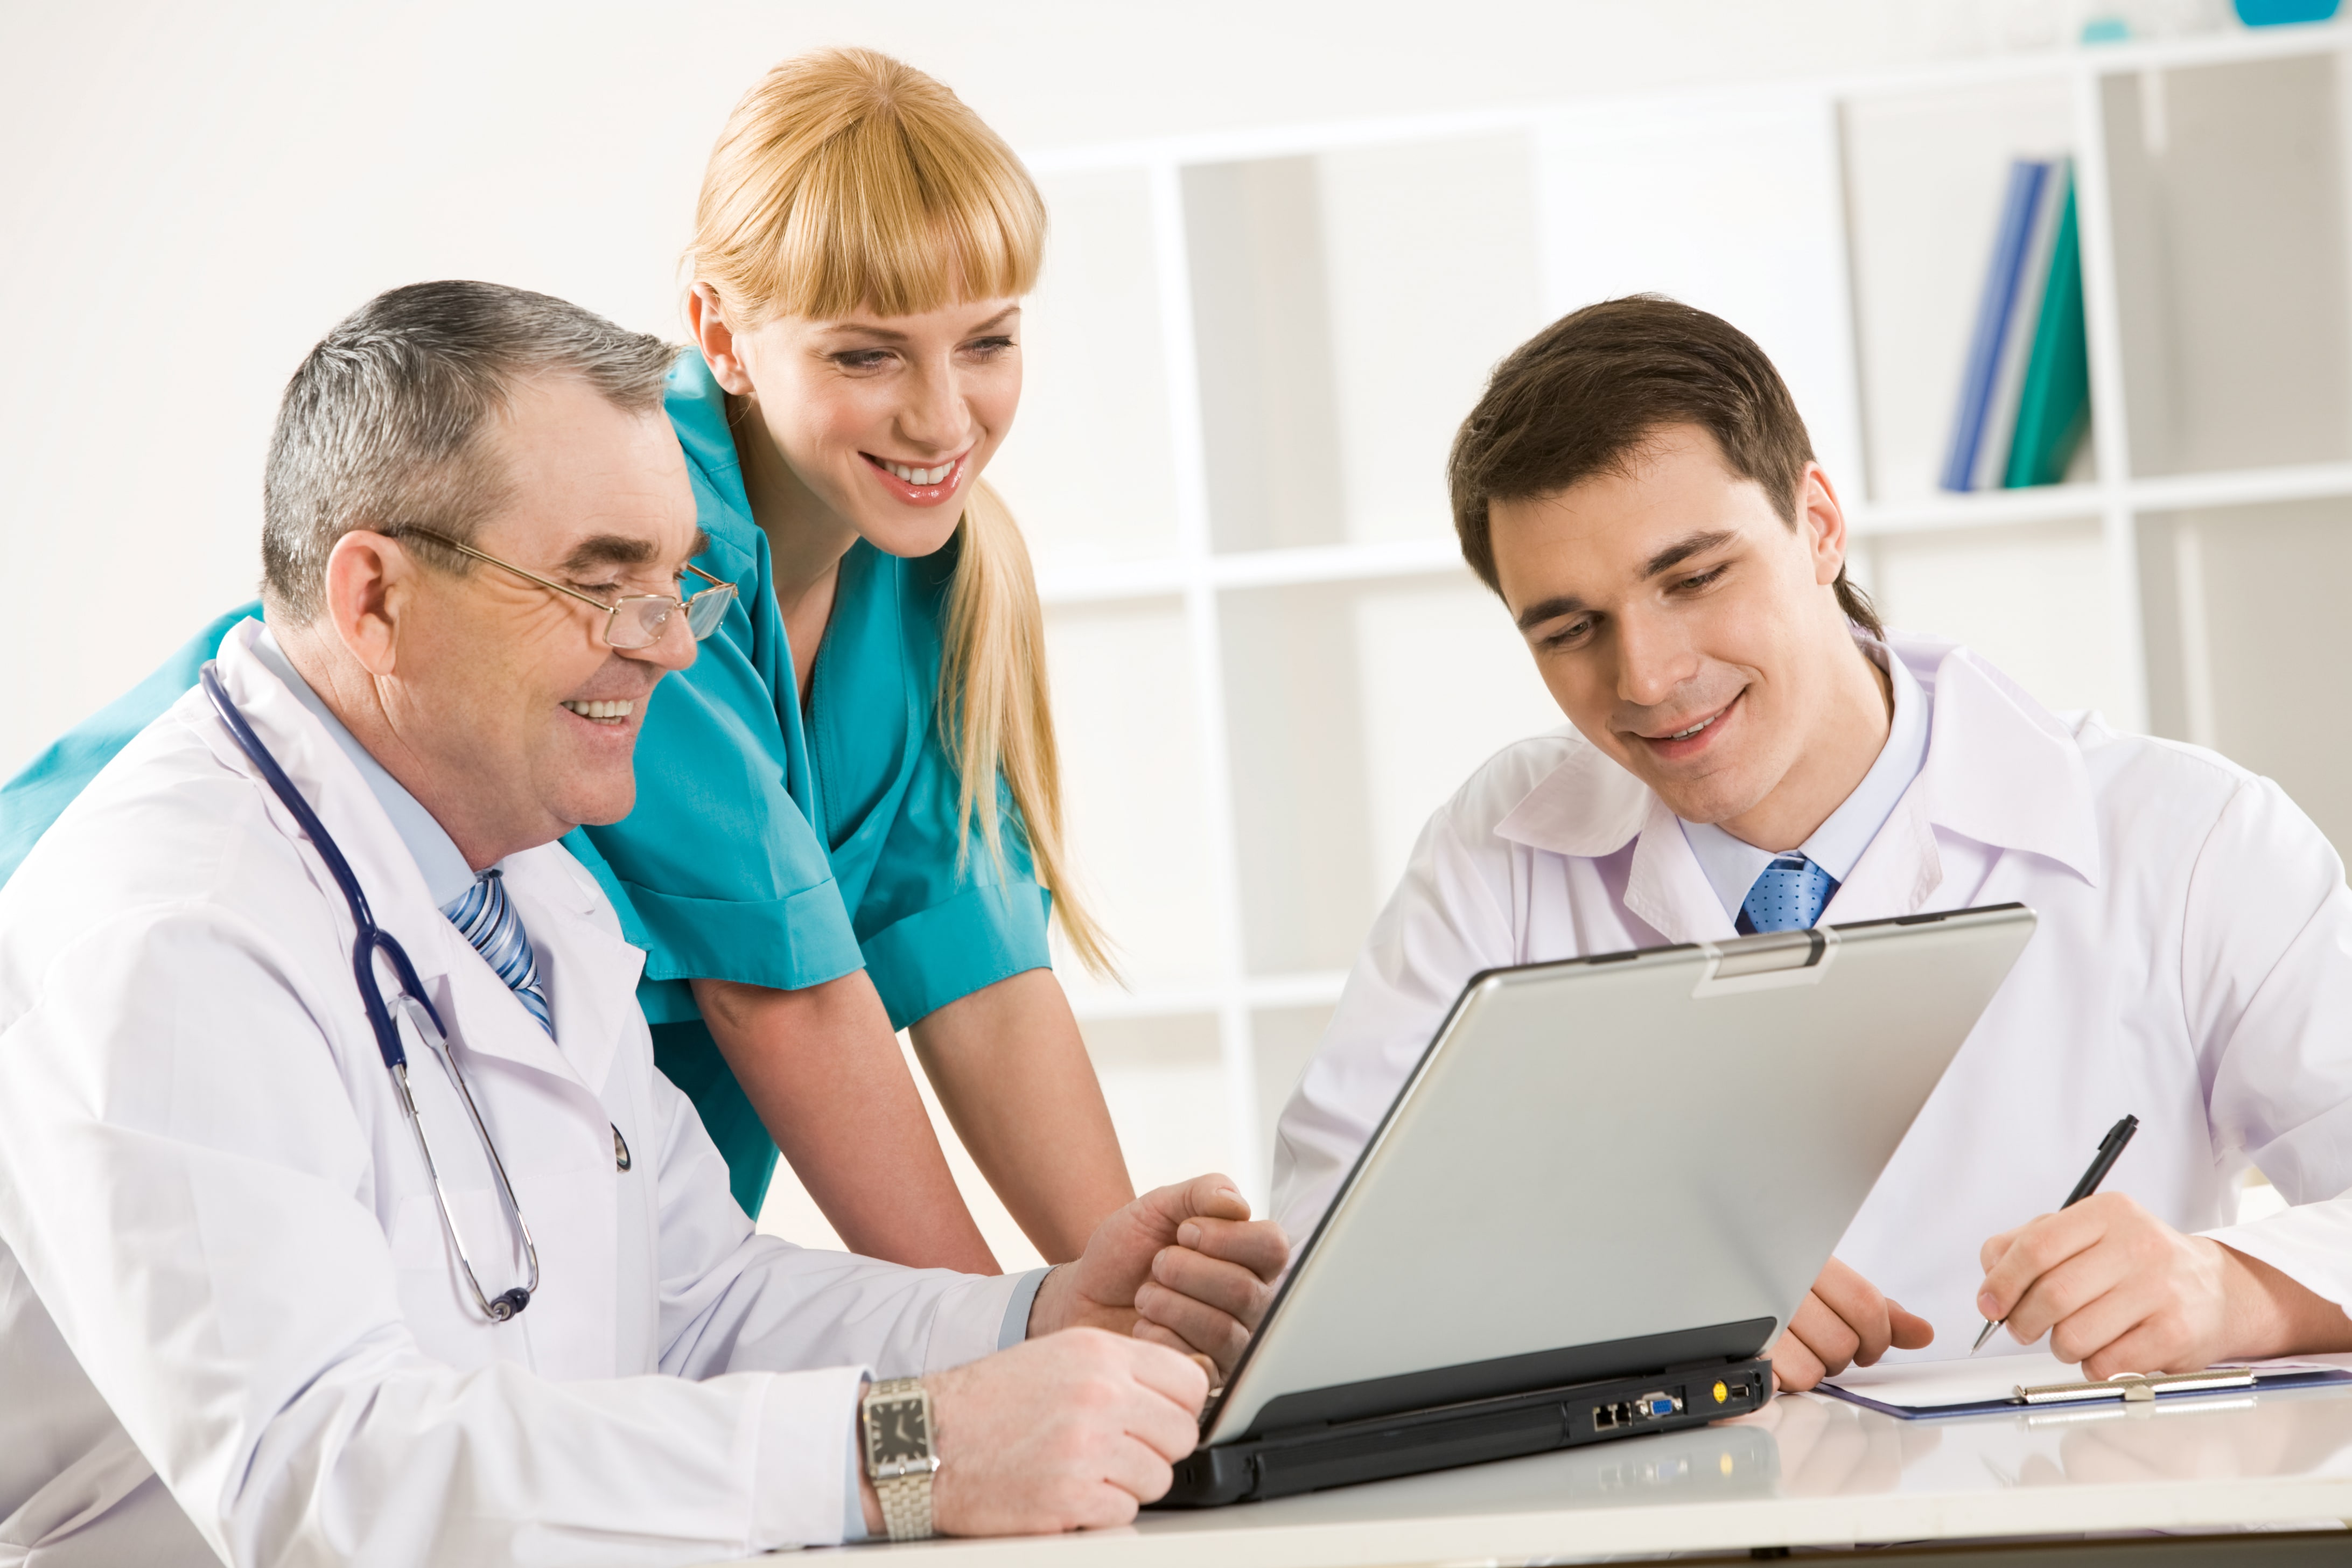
column 344, row 1215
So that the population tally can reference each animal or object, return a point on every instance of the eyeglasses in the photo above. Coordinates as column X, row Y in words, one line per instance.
column 633, row 621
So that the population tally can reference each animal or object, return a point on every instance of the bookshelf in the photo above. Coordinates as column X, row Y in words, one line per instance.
column 1250, row 350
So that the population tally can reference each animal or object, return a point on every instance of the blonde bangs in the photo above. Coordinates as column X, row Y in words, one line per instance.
column 845, row 181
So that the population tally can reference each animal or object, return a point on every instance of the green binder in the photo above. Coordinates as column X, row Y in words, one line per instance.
column 2054, row 406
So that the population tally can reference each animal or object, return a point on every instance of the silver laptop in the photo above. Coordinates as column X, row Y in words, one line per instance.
column 1596, row 1202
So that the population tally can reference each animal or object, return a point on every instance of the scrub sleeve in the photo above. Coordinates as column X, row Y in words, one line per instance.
column 767, row 846
column 40, row 794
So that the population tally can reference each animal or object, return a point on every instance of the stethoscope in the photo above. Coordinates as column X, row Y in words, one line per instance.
column 373, row 939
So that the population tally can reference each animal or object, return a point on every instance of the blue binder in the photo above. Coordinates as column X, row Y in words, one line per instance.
column 2011, row 246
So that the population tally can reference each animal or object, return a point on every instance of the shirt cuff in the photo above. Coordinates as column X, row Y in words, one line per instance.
column 1016, row 1310
column 806, row 1413
column 853, row 1510
column 968, row 1321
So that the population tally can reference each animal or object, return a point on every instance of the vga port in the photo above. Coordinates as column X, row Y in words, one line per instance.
column 1654, row 1406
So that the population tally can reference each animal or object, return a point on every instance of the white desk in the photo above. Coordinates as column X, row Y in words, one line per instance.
column 1805, row 1470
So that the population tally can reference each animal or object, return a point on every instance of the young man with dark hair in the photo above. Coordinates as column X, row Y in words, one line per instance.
column 1749, row 751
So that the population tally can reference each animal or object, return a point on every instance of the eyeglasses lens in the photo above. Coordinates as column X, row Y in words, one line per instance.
column 638, row 621
column 707, row 609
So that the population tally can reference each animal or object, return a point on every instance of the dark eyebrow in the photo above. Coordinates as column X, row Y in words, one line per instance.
column 620, row 550
column 1665, row 560
column 1683, row 549
column 1550, row 610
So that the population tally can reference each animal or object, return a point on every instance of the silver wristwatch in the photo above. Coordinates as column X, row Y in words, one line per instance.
column 898, row 1454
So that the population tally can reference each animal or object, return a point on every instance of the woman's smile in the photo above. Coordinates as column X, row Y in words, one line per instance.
column 916, row 485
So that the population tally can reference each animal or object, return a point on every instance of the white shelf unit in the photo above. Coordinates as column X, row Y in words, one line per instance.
column 1250, row 350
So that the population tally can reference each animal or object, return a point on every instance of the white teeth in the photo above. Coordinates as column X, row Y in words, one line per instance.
column 1687, row 734
column 616, row 709
column 920, row 476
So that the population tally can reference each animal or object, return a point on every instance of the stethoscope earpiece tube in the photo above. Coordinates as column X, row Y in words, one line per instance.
column 373, row 939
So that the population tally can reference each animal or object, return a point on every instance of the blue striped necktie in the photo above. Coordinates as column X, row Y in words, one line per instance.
column 486, row 917
column 1788, row 895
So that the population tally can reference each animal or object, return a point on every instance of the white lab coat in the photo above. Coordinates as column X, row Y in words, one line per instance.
column 2192, row 966
column 228, row 1322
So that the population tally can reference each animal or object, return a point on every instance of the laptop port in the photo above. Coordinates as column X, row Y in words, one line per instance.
column 1654, row 1406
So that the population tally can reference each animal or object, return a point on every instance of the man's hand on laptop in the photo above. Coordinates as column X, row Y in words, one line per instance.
column 1071, row 1432
column 1845, row 1320
column 1183, row 1267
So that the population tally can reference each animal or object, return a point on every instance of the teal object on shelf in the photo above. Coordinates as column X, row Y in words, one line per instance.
column 2276, row 13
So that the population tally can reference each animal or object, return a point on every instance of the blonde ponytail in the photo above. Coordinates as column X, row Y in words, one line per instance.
column 995, row 711
column 845, row 181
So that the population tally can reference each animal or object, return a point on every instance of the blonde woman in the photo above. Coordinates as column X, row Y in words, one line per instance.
column 848, row 817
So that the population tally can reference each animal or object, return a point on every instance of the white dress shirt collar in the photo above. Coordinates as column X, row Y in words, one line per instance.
column 446, row 874
column 1732, row 865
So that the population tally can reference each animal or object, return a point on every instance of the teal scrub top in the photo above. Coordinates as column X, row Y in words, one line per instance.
column 768, row 845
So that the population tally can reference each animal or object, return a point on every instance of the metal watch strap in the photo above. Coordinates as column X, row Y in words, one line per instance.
column 906, row 1505
column 906, row 1499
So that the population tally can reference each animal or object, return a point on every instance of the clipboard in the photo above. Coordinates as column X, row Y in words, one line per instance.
column 2007, row 1386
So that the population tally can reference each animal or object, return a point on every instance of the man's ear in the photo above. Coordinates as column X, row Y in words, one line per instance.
column 708, row 321
column 369, row 576
column 1823, row 523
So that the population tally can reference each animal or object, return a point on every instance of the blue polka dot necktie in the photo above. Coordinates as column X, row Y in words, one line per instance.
column 1788, row 895
column 486, row 917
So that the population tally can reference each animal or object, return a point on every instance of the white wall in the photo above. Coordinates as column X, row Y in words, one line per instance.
column 189, row 198
column 189, row 195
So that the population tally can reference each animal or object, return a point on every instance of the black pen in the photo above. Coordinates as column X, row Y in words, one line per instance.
column 2111, row 1149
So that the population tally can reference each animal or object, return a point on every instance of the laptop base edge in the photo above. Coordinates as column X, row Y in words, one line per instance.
column 1284, row 1463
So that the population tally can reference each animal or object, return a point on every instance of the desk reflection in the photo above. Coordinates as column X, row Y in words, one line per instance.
column 2281, row 1433
column 1828, row 1447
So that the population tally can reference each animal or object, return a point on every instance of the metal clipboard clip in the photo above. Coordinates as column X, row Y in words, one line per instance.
column 1767, row 962
column 2136, row 1387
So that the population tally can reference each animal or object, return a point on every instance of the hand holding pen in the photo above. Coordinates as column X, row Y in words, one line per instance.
column 2111, row 1148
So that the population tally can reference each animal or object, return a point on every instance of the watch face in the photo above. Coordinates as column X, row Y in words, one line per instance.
column 896, row 1432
